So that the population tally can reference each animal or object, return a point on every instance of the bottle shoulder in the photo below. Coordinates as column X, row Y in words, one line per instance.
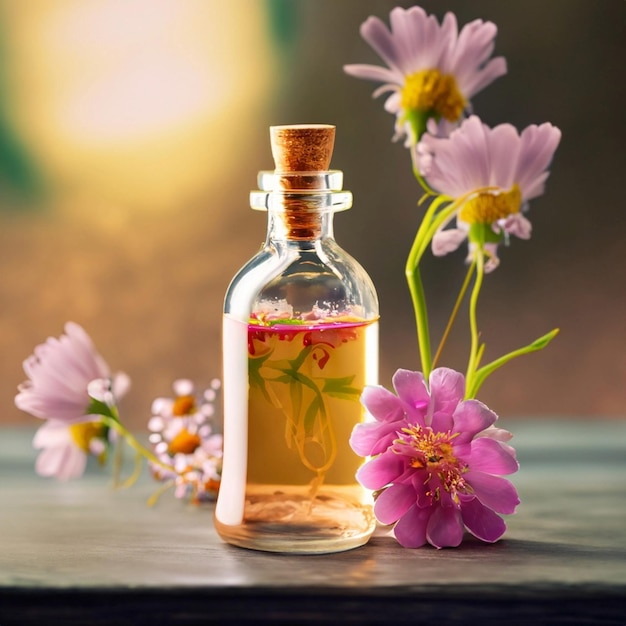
column 296, row 278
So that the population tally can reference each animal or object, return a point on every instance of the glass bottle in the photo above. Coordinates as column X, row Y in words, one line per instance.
column 300, row 341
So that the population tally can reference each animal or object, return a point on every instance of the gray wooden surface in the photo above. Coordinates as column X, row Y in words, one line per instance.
column 82, row 552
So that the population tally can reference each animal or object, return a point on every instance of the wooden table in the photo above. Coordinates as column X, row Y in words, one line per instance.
column 84, row 553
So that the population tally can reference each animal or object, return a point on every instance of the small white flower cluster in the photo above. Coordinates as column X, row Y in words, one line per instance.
column 185, row 438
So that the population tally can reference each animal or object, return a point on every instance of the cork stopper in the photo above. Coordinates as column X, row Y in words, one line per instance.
column 302, row 147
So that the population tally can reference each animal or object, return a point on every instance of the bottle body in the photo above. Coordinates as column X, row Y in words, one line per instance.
column 300, row 341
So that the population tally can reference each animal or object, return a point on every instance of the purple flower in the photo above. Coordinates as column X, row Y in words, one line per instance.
column 475, row 156
column 437, row 461
column 59, row 374
column 433, row 70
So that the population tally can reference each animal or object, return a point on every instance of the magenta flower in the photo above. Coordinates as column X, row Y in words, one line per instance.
column 59, row 373
column 433, row 70
column 475, row 156
column 437, row 461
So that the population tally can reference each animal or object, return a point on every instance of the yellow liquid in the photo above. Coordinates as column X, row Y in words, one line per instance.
column 301, row 494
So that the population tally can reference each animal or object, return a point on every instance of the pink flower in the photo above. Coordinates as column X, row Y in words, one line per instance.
column 64, row 376
column 437, row 461
column 65, row 447
column 475, row 156
column 59, row 373
column 433, row 70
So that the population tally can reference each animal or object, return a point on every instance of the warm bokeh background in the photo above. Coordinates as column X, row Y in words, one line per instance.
column 132, row 132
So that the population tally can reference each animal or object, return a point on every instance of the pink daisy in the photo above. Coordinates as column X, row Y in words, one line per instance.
column 437, row 461
column 475, row 156
column 65, row 375
column 433, row 69
column 66, row 447
column 59, row 373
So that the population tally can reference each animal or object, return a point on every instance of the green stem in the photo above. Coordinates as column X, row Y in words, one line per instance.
column 455, row 310
column 433, row 219
column 487, row 370
column 416, row 289
column 474, row 346
column 131, row 440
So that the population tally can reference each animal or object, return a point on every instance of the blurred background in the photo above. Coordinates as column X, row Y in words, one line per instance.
column 131, row 133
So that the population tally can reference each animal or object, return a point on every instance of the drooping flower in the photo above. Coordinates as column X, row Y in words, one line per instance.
column 437, row 461
column 433, row 69
column 65, row 375
column 183, row 433
column 66, row 447
column 59, row 374
column 475, row 156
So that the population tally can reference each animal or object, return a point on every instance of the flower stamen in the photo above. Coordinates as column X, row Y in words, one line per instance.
column 488, row 208
column 184, row 405
column 432, row 91
column 184, row 443
column 83, row 433
column 433, row 452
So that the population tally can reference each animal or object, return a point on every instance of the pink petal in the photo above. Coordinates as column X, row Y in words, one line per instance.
column 493, row 69
column 470, row 417
column 504, row 147
column 518, row 225
column 411, row 388
column 380, row 471
column 447, row 388
column 499, row 434
column 374, row 31
column 481, row 521
column 382, row 404
column 372, row 438
column 50, row 434
column 446, row 241
column 493, row 491
column 445, row 527
column 394, row 502
column 538, row 144
column 492, row 457
column 61, row 462
column 373, row 72
column 410, row 531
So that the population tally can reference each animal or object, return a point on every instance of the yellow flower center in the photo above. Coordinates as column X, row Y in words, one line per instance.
column 184, row 443
column 184, row 405
column 430, row 90
column 488, row 208
column 83, row 433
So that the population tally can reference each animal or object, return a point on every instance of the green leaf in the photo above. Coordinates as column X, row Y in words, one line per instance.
column 311, row 414
column 254, row 374
column 487, row 370
column 341, row 388
column 97, row 407
column 295, row 393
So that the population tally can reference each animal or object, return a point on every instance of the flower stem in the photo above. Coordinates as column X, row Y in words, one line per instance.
column 416, row 288
column 131, row 440
column 455, row 310
column 434, row 219
column 474, row 346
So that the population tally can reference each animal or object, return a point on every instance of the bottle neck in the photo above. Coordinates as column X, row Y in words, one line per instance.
column 300, row 219
column 300, row 205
